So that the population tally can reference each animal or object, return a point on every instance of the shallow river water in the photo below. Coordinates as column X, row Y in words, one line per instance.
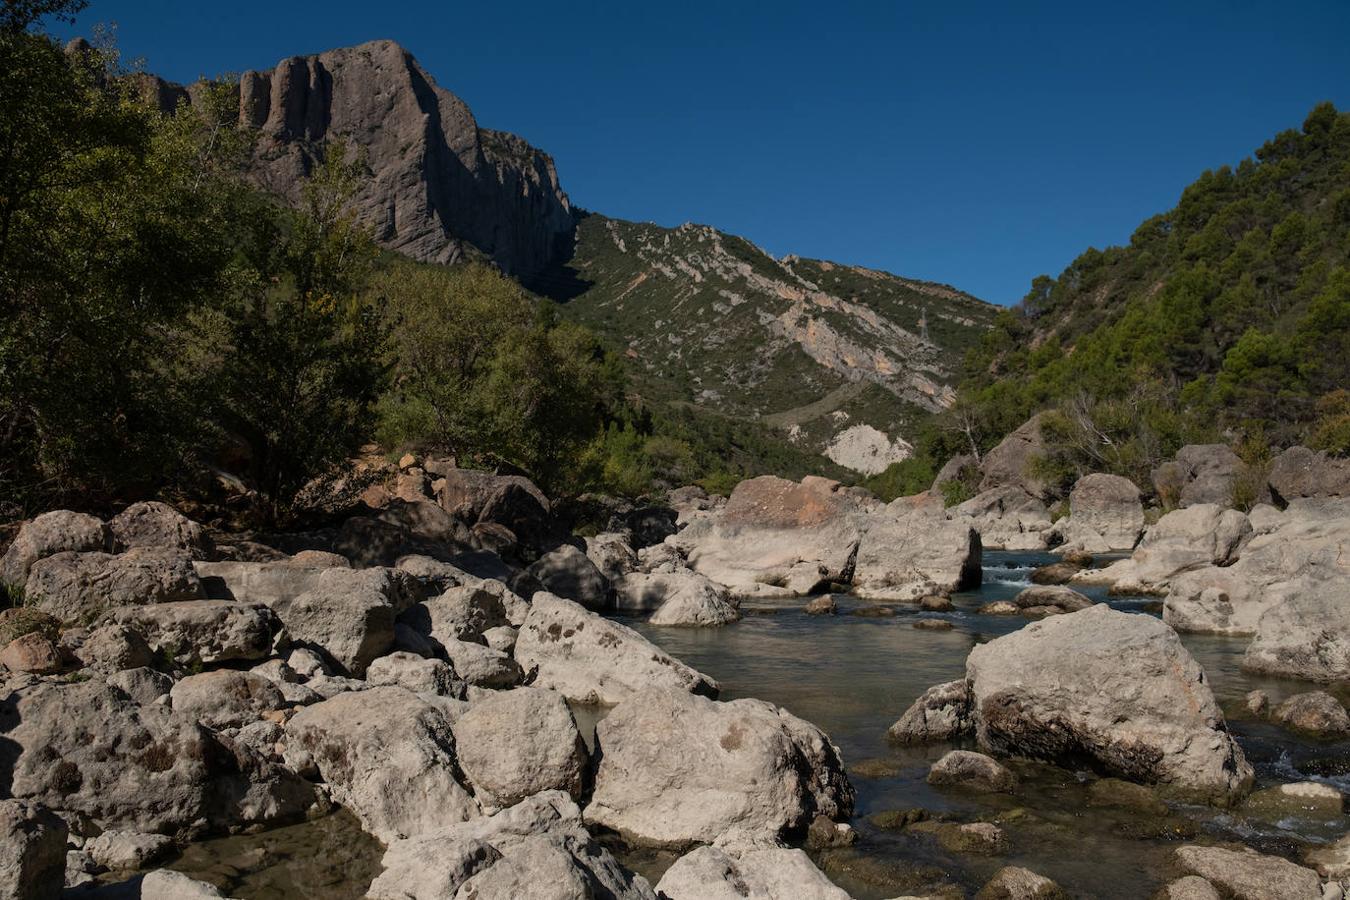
column 853, row 676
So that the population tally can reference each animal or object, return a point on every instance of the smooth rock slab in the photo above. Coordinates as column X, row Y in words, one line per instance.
column 589, row 659
column 521, row 742
column 776, row 873
column 387, row 755
column 677, row 769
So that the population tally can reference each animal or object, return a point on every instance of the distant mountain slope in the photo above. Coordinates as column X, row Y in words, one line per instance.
column 814, row 347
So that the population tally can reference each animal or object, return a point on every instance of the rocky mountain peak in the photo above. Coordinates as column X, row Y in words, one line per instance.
column 439, row 186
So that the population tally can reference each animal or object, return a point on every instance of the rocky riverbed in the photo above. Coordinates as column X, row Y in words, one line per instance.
column 794, row 692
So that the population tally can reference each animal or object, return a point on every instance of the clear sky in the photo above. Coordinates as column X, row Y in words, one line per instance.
column 978, row 144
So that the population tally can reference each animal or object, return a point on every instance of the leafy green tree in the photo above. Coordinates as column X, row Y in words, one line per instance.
column 300, row 360
column 107, row 242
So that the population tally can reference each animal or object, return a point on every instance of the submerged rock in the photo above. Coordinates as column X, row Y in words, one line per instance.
column 590, row 659
column 1248, row 875
column 941, row 713
column 972, row 771
column 677, row 769
column 1315, row 712
column 1015, row 883
column 1117, row 689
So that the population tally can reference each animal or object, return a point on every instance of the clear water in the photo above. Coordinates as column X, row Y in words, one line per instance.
column 854, row 676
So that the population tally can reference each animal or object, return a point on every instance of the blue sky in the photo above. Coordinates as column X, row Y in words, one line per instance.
column 978, row 144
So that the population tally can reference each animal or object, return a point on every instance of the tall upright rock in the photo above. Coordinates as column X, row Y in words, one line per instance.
column 438, row 184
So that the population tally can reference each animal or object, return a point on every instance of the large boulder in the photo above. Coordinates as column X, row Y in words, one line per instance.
column 778, row 537
column 1307, row 544
column 33, row 653
column 204, row 632
column 1182, row 541
column 677, row 769
column 155, row 524
column 1200, row 474
column 912, row 550
column 417, row 674
column 1115, row 690
column 612, row 553
column 387, row 755
column 590, row 659
column 537, row 848
column 1306, row 633
column 465, row 613
column 678, row 598
column 348, row 614
column 569, row 573
column 766, row 873
column 483, row 666
column 1007, row 518
column 1299, row 472
column 32, row 851
column 225, row 698
column 79, row 587
column 516, row 743
column 1105, row 514
column 90, row 752
column 59, row 531
column 512, row 502
column 1011, row 462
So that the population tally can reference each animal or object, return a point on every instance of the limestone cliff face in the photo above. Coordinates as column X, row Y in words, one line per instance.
column 437, row 184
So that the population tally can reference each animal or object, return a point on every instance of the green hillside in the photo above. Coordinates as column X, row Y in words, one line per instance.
column 1225, row 318
column 709, row 320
